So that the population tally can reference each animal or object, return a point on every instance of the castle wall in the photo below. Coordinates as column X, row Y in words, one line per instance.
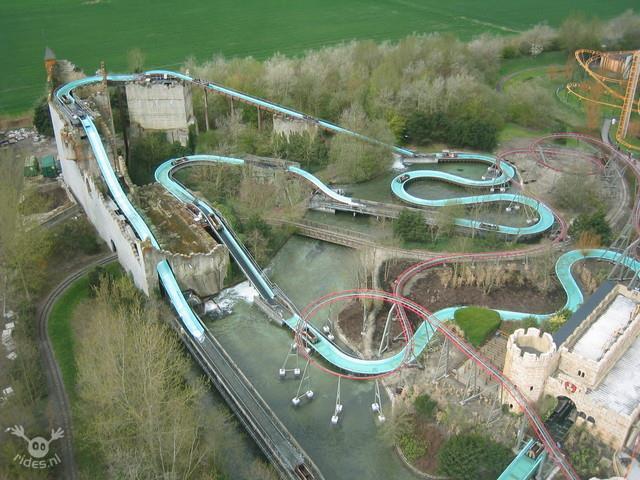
column 529, row 371
column 589, row 372
column 101, row 211
column 611, row 426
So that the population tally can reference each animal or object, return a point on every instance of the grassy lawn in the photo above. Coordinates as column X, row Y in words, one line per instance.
column 61, row 331
column 512, row 131
column 567, row 108
column 461, row 243
column 545, row 59
column 87, row 32
column 477, row 323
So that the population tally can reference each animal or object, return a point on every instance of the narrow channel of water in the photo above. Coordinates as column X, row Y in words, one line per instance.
column 379, row 189
column 306, row 269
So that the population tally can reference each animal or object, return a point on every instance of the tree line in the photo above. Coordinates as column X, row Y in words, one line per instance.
column 423, row 89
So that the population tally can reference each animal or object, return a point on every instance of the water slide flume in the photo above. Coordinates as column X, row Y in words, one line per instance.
column 193, row 325
column 563, row 268
column 545, row 217
column 191, row 322
column 326, row 349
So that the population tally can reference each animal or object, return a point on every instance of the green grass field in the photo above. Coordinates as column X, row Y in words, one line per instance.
column 87, row 31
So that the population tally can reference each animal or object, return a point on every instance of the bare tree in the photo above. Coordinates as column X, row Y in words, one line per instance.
column 136, row 407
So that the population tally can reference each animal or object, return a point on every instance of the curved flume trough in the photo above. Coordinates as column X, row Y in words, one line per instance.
column 325, row 348
column 545, row 217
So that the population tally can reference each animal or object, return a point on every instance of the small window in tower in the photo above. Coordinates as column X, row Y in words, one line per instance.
column 531, row 388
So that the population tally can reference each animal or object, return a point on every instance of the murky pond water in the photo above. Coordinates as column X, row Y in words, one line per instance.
column 306, row 269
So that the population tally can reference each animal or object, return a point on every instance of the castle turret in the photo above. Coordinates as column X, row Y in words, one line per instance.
column 531, row 358
column 49, row 63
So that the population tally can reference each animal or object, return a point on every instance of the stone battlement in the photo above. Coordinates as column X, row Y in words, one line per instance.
column 532, row 346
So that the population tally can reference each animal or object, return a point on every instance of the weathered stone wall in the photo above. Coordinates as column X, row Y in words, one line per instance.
column 203, row 273
column 161, row 106
column 288, row 126
column 80, row 173
column 556, row 373
column 610, row 425
column 592, row 372
column 526, row 369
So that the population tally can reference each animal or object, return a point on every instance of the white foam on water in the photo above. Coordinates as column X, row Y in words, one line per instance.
column 397, row 163
column 228, row 297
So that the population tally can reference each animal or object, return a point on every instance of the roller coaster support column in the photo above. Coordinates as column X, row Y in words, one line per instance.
column 206, row 109
column 259, row 119
column 384, row 342
column 540, row 474
column 627, row 245
column 376, row 406
column 304, row 388
column 522, row 428
column 335, row 418
column 443, row 361
column 293, row 352
column 496, row 404
column 471, row 386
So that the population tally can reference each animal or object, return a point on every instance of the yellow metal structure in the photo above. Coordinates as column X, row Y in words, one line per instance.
column 614, row 68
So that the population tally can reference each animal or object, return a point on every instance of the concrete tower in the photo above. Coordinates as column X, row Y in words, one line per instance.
column 49, row 64
column 531, row 358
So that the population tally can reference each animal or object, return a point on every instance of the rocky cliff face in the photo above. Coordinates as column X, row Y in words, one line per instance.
column 204, row 273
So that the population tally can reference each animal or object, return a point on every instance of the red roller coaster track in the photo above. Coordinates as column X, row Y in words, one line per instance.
column 404, row 304
column 494, row 372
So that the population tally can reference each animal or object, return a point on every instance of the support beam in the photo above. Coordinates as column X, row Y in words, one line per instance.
column 206, row 110
column 304, row 388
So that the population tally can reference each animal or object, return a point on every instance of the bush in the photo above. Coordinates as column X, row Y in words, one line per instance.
column 412, row 447
column 310, row 151
column 477, row 323
column 463, row 129
column 148, row 152
column 473, row 456
column 578, row 193
column 73, row 237
column 42, row 118
column 425, row 406
column 99, row 274
column 595, row 223
column 557, row 320
column 410, row 226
